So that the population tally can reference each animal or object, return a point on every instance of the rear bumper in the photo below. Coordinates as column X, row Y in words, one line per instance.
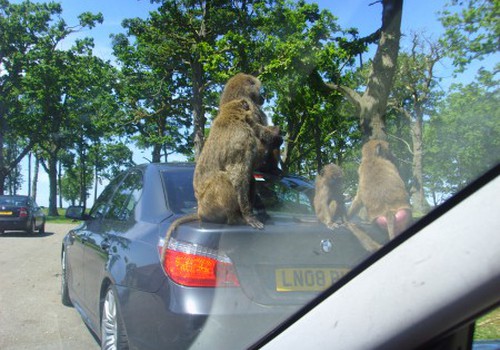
column 15, row 223
column 196, row 318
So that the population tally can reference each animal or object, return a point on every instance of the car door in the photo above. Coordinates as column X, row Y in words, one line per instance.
column 79, row 239
column 106, row 242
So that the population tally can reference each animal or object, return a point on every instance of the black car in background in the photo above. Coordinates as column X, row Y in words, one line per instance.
column 21, row 213
column 221, row 287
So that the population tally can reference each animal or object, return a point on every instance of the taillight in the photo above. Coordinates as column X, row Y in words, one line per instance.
column 193, row 265
column 23, row 212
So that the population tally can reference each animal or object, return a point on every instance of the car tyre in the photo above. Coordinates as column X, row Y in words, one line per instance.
column 64, row 282
column 31, row 229
column 113, row 335
column 41, row 230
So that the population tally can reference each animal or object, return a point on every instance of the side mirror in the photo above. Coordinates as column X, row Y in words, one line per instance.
column 76, row 212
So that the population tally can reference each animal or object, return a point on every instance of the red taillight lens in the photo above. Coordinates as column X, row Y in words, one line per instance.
column 23, row 212
column 196, row 266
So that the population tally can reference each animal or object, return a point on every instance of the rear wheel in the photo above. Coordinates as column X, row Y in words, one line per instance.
column 31, row 228
column 64, row 282
column 113, row 336
column 41, row 230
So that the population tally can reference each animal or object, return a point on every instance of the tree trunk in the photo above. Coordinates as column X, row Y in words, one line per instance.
column 96, row 181
column 317, row 146
column 53, row 184
column 3, row 166
column 199, row 119
column 59, row 182
column 156, row 153
column 34, row 183
column 372, row 105
column 419, row 202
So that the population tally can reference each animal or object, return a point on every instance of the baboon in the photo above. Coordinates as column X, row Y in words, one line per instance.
column 329, row 203
column 244, row 85
column 247, row 86
column 224, row 169
column 381, row 190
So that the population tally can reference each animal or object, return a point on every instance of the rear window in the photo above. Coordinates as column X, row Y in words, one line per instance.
column 14, row 201
column 180, row 193
column 274, row 196
column 283, row 196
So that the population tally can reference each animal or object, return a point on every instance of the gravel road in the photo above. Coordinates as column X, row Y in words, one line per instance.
column 31, row 313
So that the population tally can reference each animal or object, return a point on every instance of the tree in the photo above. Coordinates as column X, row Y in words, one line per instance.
column 73, row 183
column 296, row 38
column 21, row 28
column 14, row 179
column 96, row 109
column 194, row 47
column 54, row 84
column 463, row 137
column 155, row 109
column 186, row 34
column 371, row 106
column 108, row 159
column 413, row 97
column 472, row 30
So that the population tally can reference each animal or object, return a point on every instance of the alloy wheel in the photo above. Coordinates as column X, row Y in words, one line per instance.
column 109, row 324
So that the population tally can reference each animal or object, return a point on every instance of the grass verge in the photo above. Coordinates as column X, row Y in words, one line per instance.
column 61, row 219
column 488, row 326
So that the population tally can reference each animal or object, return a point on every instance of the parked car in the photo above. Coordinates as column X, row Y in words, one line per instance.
column 222, row 286
column 424, row 290
column 21, row 213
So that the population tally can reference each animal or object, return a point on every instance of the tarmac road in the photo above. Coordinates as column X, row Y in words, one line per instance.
column 31, row 313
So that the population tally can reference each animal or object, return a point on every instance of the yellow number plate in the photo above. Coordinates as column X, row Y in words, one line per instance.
column 5, row 213
column 307, row 280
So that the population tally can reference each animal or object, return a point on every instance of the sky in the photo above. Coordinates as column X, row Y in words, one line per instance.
column 418, row 15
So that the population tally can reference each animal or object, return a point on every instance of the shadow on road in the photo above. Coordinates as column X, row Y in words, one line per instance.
column 23, row 234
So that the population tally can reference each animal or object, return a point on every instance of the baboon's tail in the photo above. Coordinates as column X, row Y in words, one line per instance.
column 366, row 241
column 173, row 226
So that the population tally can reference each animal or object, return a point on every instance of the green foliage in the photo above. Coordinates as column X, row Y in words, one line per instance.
column 50, row 93
column 463, row 139
column 21, row 27
column 472, row 30
column 71, row 183
column 150, row 92
column 110, row 158
column 298, row 38
column 172, row 67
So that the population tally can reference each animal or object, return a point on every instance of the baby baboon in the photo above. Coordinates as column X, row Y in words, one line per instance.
column 381, row 190
column 247, row 86
column 225, row 167
column 329, row 201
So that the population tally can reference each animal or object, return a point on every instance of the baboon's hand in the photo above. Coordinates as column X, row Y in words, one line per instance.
column 254, row 222
column 335, row 225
